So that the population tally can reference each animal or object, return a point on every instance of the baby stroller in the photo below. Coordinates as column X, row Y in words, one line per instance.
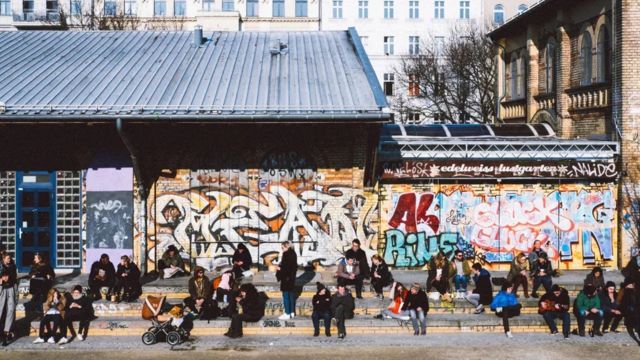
column 170, row 331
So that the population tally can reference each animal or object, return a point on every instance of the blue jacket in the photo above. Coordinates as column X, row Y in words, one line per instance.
column 503, row 299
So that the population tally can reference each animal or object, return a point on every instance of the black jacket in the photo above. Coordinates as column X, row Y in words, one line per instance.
column 245, row 257
column 361, row 258
column 548, row 270
column 630, row 302
column 383, row 270
column 253, row 304
column 562, row 300
column 110, row 271
column 12, row 272
column 42, row 270
column 86, row 309
column 346, row 301
column 321, row 303
column 287, row 273
column 483, row 287
column 206, row 288
column 419, row 300
column 606, row 304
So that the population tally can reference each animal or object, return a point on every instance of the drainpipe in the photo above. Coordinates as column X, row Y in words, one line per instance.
column 141, row 192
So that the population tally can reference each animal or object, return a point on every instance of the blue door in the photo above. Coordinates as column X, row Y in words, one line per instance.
column 35, row 217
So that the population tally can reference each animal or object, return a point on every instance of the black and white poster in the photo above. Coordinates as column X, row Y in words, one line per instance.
column 110, row 219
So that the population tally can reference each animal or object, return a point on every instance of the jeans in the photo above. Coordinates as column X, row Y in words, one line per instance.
column 401, row 315
column 508, row 312
column 58, row 324
column 82, row 317
column 613, row 319
column 521, row 280
column 461, row 282
column 550, row 318
column 357, row 282
column 326, row 316
column 289, row 300
column 474, row 299
column 8, row 304
column 582, row 319
column 340, row 319
column 545, row 281
column 415, row 315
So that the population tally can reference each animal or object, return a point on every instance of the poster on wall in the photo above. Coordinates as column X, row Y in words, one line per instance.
column 109, row 214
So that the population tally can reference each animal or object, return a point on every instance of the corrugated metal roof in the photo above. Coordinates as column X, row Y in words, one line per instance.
column 47, row 74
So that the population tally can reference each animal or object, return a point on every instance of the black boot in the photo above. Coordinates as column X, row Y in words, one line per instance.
column 316, row 332
column 327, row 332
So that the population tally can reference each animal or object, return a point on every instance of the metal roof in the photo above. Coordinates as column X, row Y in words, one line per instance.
column 523, row 18
column 253, row 76
column 479, row 141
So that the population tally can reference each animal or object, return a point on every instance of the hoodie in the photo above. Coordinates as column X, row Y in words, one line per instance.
column 483, row 287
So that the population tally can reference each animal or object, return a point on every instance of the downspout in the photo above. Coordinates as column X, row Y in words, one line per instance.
column 141, row 192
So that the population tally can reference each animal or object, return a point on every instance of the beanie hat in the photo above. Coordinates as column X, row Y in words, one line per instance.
column 320, row 286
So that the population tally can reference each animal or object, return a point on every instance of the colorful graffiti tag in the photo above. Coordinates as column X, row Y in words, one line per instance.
column 501, row 223
column 210, row 220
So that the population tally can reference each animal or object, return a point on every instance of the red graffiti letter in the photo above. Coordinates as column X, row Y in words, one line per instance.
column 432, row 221
column 405, row 213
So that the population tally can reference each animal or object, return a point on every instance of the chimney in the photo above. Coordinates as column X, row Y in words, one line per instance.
column 197, row 36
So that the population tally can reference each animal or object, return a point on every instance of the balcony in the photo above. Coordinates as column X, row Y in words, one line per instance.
column 594, row 96
column 546, row 101
column 514, row 109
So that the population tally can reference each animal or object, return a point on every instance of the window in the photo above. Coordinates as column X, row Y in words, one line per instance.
column 227, row 5
column 388, row 45
column 414, row 9
column 278, row 8
column 207, row 5
column 603, row 55
column 337, row 9
column 363, row 9
column 160, row 8
column 550, row 67
column 438, row 44
column 414, row 45
column 5, row 7
column 389, row 79
column 414, row 86
column 522, row 8
column 76, row 7
column 388, row 9
column 110, row 8
column 302, row 8
column 586, row 59
column 413, row 117
column 179, row 7
column 514, row 77
column 438, row 9
column 464, row 9
column 498, row 14
column 130, row 7
column 520, row 79
column 52, row 8
column 252, row 7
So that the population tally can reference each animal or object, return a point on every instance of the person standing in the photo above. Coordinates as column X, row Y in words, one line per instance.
column 482, row 295
column 357, row 253
column 128, row 280
column 506, row 306
column 8, row 281
column 555, row 305
column 342, row 306
column 286, row 275
column 380, row 275
column 418, row 306
column 41, row 277
column 102, row 274
column 321, row 302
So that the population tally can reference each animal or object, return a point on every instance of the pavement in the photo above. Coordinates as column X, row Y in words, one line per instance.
column 389, row 347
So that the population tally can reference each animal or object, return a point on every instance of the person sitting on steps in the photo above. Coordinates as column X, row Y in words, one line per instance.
column 102, row 274
column 506, row 306
column 127, row 280
column 555, row 305
column 519, row 274
column 482, row 295
column 587, row 306
column 349, row 274
column 171, row 264
column 78, row 309
column 252, row 304
column 395, row 310
column 342, row 306
column 360, row 256
column 610, row 307
column 321, row 302
column 541, row 273
column 460, row 272
column 438, row 277
column 241, row 261
column 380, row 275
column 417, row 305
column 596, row 278
column 41, row 278
column 54, row 312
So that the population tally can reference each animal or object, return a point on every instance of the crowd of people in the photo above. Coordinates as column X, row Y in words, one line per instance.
column 600, row 301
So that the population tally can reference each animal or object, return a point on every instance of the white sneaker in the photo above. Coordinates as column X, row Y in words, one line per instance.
column 51, row 340
column 63, row 340
column 508, row 333
column 292, row 316
column 405, row 318
column 38, row 340
column 80, row 337
column 284, row 317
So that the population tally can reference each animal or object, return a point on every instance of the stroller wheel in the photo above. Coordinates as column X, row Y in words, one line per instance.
column 173, row 338
column 149, row 338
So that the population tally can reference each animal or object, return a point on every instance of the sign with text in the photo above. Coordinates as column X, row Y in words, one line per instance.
column 571, row 169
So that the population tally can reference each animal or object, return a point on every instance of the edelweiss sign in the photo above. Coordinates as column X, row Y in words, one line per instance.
column 498, row 169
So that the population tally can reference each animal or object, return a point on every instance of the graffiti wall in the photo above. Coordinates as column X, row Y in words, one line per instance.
column 207, row 213
column 576, row 224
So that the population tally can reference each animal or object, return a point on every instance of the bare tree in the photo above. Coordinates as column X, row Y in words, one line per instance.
column 631, row 208
column 454, row 81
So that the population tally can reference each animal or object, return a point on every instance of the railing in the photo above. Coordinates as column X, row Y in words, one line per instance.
column 514, row 109
column 590, row 97
column 546, row 101
column 29, row 16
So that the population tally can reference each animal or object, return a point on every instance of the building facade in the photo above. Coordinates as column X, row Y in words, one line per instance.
column 570, row 66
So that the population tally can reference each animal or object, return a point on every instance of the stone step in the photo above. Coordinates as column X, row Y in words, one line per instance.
column 437, row 323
